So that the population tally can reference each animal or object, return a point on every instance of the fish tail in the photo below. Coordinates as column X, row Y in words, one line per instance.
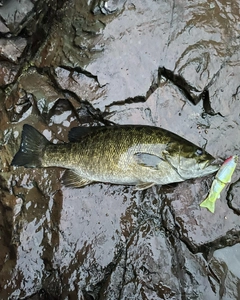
column 32, row 147
column 209, row 203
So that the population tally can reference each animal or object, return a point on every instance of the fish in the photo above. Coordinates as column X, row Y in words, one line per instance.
column 121, row 154
column 222, row 178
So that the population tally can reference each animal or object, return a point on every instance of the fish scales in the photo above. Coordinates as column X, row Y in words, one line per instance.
column 127, row 154
column 105, row 153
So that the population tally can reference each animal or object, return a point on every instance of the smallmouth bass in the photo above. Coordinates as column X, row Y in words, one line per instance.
column 126, row 154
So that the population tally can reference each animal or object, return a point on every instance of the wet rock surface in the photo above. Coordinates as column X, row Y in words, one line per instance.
column 70, row 63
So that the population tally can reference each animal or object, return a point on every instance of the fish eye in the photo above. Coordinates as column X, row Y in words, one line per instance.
column 199, row 152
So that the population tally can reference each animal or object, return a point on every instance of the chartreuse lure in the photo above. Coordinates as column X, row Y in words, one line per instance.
column 222, row 177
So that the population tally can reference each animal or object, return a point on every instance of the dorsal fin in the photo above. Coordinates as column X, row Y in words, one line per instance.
column 77, row 133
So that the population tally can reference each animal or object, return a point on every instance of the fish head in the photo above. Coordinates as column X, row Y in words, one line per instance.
column 190, row 161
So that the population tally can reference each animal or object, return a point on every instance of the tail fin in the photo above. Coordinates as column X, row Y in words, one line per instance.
column 31, row 149
column 210, row 205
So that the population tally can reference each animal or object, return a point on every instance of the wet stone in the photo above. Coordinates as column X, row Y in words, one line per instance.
column 41, row 88
column 225, row 265
column 134, row 59
column 14, row 12
column 31, row 236
column 8, row 73
column 99, row 62
column 61, row 117
column 18, row 104
column 233, row 197
column 12, row 49
column 149, row 252
column 197, row 226
column 87, row 33
column 86, row 87
column 166, row 107
column 3, row 28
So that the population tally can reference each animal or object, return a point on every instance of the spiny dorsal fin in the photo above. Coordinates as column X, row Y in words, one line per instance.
column 76, row 134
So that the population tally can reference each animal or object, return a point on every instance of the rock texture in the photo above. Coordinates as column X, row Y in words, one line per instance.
column 172, row 64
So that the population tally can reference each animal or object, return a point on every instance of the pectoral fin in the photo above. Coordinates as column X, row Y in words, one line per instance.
column 143, row 185
column 148, row 160
column 72, row 179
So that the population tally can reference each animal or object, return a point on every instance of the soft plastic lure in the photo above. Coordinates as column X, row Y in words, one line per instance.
column 222, row 177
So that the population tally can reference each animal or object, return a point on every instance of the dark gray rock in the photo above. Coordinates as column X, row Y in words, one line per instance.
column 124, row 62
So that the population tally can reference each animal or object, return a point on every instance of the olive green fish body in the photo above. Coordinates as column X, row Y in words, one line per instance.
column 128, row 154
column 110, row 157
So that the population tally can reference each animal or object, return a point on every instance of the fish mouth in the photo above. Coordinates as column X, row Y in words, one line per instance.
column 213, row 164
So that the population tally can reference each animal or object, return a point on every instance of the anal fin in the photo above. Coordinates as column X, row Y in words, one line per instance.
column 72, row 179
column 143, row 185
